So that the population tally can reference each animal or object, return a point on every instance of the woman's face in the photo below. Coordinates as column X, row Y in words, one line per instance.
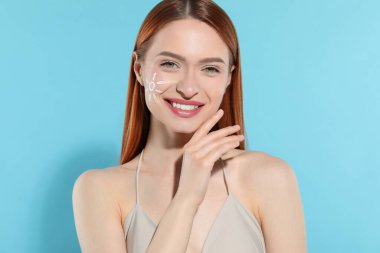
column 187, row 60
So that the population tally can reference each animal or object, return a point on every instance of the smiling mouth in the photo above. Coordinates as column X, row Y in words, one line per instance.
column 172, row 104
column 183, row 111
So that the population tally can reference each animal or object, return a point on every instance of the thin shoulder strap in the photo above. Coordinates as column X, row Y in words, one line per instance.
column 225, row 176
column 137, row 177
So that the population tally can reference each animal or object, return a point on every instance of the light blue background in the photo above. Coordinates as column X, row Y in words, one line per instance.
column 311, row 96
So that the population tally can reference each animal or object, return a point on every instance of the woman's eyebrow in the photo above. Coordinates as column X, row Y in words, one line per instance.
column 181, row 58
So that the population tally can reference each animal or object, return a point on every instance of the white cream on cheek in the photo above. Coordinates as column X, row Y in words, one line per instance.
column 155, row 86
column 212, row 85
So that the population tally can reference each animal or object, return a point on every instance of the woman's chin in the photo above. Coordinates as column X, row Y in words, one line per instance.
column 184, row 130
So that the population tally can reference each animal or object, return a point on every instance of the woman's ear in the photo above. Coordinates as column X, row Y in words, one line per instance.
column 137, row 68
column 230, row 75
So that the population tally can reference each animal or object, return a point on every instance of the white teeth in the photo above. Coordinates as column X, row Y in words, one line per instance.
column 184, row 107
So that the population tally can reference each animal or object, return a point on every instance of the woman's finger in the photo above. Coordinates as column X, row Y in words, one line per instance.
column 207, row 148
column 215, row 135
column 205, row 128
column 214, row 154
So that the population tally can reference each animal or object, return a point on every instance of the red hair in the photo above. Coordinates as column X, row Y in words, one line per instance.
column 137, row 114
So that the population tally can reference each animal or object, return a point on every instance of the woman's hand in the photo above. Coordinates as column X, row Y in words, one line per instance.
column 200, row 155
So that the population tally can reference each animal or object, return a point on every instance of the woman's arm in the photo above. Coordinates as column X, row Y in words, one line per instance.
column 280, row 207
column 97, row 214
column 98, row 223
column 173, row 231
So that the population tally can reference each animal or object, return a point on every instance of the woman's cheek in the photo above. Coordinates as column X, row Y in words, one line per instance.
column 218, row 83
column 166, row 75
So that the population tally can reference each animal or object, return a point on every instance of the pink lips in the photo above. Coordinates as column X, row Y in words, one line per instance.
column 184, row 102
column 184, row 113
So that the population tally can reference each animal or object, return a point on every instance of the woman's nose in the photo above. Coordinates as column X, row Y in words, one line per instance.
column 188, row 86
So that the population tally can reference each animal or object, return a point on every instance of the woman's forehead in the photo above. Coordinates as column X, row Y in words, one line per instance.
column 190, row 38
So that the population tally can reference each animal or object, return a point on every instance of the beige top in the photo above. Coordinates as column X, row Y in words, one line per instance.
column 235, row 229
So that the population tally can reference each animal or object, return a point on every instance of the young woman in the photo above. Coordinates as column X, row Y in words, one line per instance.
column 185, row 182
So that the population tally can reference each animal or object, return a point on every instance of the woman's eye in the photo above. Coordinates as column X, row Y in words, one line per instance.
column 212, row 70
column 168, row 64
column 173, row 65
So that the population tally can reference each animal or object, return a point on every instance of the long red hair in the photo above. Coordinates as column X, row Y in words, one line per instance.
column 137, row 120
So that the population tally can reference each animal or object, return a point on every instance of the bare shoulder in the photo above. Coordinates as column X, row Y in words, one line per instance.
column 96, row 176
column 265, row 169
column 260, row 169
column 266, row 177
column 114, row 184
column 272, row 183
column 105, row 180
column 97, row 210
